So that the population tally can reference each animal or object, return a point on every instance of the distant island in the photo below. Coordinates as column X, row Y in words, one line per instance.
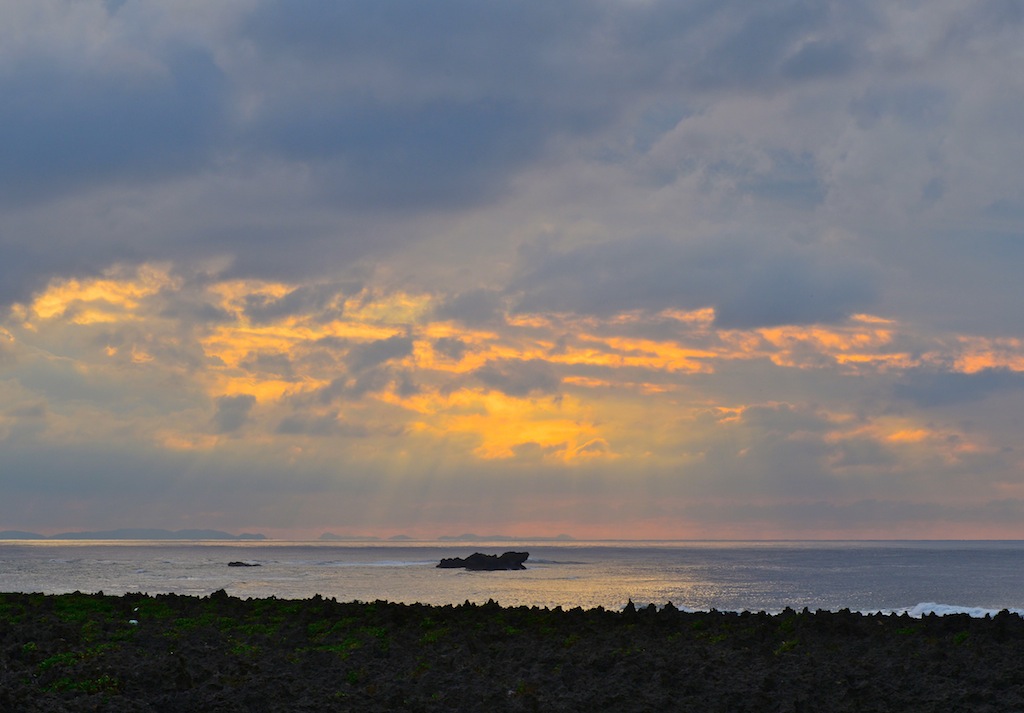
column 133, row 534
column 159, row 534
column 471, row 537
column 465, row 537
column 331, row 537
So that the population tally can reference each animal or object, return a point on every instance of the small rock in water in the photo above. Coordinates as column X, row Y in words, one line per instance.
column 478, row 561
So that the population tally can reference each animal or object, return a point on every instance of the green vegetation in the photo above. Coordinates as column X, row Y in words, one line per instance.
column 102, row 684
column 384, row 656
column 786, row 646
column 78, row 608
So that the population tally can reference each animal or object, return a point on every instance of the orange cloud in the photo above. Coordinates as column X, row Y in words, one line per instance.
column 112, row 298
column 861, row 342
column 910, row 435
column 501, row 424
column 623, row 395
column 982, row 353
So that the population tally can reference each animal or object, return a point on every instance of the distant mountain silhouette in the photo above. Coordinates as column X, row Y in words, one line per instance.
column 331, row 537
column 133, row 534
column 20, row 535
column 471, row 537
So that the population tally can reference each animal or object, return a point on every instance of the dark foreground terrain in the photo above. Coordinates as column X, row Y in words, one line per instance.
column 82, row 652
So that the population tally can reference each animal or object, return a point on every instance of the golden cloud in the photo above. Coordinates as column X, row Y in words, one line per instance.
column 622, row 391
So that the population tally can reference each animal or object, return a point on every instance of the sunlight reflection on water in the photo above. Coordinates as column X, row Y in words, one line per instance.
column 698, row 576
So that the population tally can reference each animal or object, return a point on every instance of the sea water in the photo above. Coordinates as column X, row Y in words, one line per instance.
column 915, row 577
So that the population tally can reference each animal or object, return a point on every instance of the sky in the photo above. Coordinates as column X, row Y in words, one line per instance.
column 623, row 269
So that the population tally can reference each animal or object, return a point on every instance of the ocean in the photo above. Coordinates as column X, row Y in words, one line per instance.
column 917, row 577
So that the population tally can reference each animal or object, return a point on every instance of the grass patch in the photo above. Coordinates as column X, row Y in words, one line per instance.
column 101, row 684
column 786, row 647
column 78, row 608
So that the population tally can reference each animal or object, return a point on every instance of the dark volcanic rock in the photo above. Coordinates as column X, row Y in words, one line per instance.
column 489, row 563
column 219, row 654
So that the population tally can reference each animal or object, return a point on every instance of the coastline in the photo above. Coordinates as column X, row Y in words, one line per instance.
column 891, row 577
column 168, row 652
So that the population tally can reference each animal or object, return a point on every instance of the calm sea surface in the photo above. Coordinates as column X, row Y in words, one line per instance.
column 731, row 576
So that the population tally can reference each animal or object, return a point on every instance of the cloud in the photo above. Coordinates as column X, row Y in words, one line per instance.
column 325, row 425
column 404, row 108
column 232, row 412
column 749, row 283
column 863, row 453
column 473, row 307
column 624, row 260
column 774, row 44
column 67, row 125
column 921, row 106
column 369, row 381
column 279, row 364
column 365, row 356
column 468, row 94
column 298, row 138
column 934, row 388
column 451, row 347
column 516, row 377
column 322, row 299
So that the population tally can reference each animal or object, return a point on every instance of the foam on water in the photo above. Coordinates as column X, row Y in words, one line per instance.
column 926, row 608
column 917, row 611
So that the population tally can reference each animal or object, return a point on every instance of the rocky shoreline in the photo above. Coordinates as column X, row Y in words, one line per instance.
column 163, row 653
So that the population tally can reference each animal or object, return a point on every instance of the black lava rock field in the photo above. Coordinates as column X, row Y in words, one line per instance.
column 94, row 652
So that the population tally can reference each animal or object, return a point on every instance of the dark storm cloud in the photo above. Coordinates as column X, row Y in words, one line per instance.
column 931, row 387
column 324, row 425
column 981, row 21
column 436, row 156
column 65, row 125
column 770, row 44
column 26, row 267
column 368, row 381
column 750, row 283
column 278, row 364
column 376, row 109
column 561, row 46
column 470, row 92
column 819, row 59
column 371, row 354
column 368, row 369
column 194, row 311
column 519, row 377
column 302, row 300
column 419, row 104
column 862, row 453
column 784, row 419
column 922, row 106
column 474, row 307
column 793, row 179
column 452, row 347
column 232, row 412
